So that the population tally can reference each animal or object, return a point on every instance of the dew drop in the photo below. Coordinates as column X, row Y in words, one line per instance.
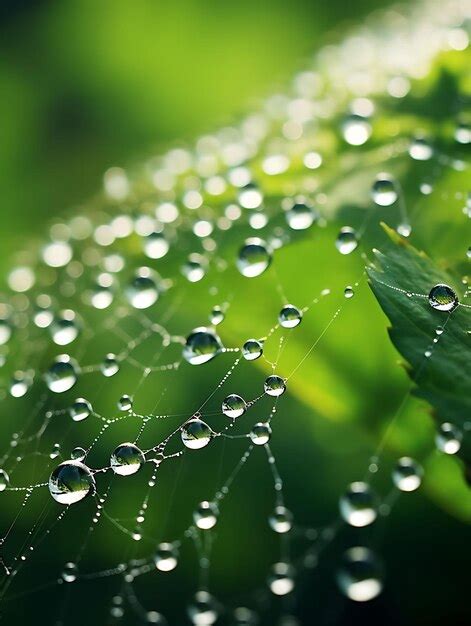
column 195, row 434
column 4, row 480
column 420, row 149
column 358, row 505
column 155, row 246
column 274, row 385
column 206, row 515
column 281, row 579
column 70, row 482
column 300, row 216
column 250, row 196
column 153, row 617
column 348, row 292
column 110, row 365
column 125, row 403
column 166, row 557
column 448, row 438
column 356, row 130
column 290, row 316
column 281, row 520
column 233, row 406
column 78, row 454
column 201, row 345
column 254, row 257
column 69, row 573
column 261, row 433
column 252, row 349
column 359, row 577
column 142, row 291
column 62, row 374
column 80, row 409
column 407, row 475
column 64, row 328
column 203, row 611
column 404, row 229
column 127, row 459
column 216, row 316
column 346, row 241
column 384, row 191
column 443, row 298
column 195, row 268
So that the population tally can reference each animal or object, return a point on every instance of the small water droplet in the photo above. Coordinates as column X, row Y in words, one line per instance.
column 127, row 459
column 252, row 349
column 384, row 191
column 254, row 257
column 358, row 505
column 274, row 385
column 62, row 374
column 290, row 316
column 346, row 241
column 261, row 433
column 206, row 515
column 407, row 475
column 201, row 345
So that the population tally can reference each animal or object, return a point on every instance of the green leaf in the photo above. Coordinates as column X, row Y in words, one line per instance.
column 401, row 281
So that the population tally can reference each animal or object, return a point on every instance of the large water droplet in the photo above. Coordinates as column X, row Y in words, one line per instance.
column 384, row 190
column 281, row 520
column 166, row 557
column 80, row 409
column 442, row 298
column 127, row 459
column 290, row 316
column 233, row 406
column 252, row 349
column 281, row 579
column 448, row 438
column 142, row 291
column 254, row 257
column 346, row 241
column 407, row 475
column 202, row 345
column 110, row 365
column 358, row 505
column 62, row 374
column 196, row 434
column 360, row 575
column 274, row 385
column 300, row 216
column 260, row 433
column 70, row 482
column 206, row 515
column 65, row 328
column 203, row 611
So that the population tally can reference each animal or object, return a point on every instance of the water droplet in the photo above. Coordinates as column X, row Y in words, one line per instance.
column 217, row 316
column 78, row 454
column 356, row 130
column 233, row 406
column 195, row 268
column 202, row 345
column 252, row 349
column 442, row 298
column 281, row 579
column 70, row 482
column 274, row 385
column 384, row 191
column 420, row 149
column 203, row 611
column 348, row 292
column 300, row 216
column 359, row 578
column 166, row 557
column 153, row 617
column 56, row 450
column 281, row 520
column 346, row 241
column 155, row 246
column 69, row 573
column 5, row 331
column 125, row 403
column 142, row 291
column 260, row 433
column 404, row 229
column 206, row 515
column 358, row 505
column 290, row 316
column 448, row 438
column 127, row 459
column 254, row 257
column 62, row 374
column 4, row 480
column 250, row 197
column 65, row 328
column 110, row 365
column 407, row 475
column 80, row 409
column 196, row 434
column 245, row 617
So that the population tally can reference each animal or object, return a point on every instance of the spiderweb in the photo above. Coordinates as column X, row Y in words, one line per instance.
column 176, row 349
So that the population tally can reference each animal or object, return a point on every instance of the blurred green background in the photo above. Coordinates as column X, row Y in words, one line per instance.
column 86, row 84
column 90, row 84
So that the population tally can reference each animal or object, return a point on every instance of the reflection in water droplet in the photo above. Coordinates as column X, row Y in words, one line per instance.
column 281, row 520
column 206, row 515
column 195, row 434
column 62, row 374
column 358, row 505
column 70, row 482
column 360, row 575
column 254, row 257
column 281, row 579
column 127, row 459
column 407, row 474
column 80, row 409
column 201, row 345
column 442, row 298
column 384, row 191
column 203, row 610
column 346, row 241
column 252, row 349
column 233, row 406
column 274, row 385
column 142, row 291
column 166, row 557
column 260, row 433
column 448, row 438
column 290, row 316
